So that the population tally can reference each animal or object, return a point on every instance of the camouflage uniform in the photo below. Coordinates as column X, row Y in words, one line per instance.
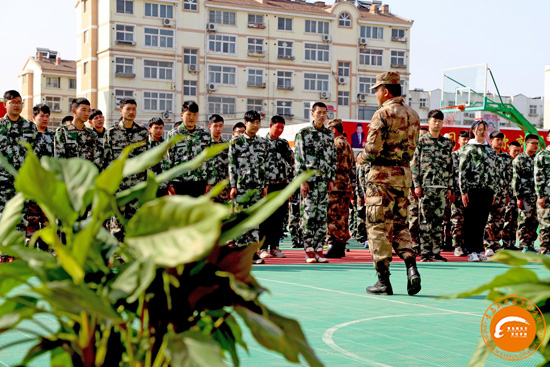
column 457, row 208
column 432, row 170
column 193, row 182
column 523, row 184
column 390, row 146
column 314, row 149
column 414, row 221
column 161, row 166
column 71, row 142
column 340, row 196
column 294, row 225
column 542, row 188
column 510, row 227
column 495, row 223
column 360, row 217
column 248, row 172
column 220, row 166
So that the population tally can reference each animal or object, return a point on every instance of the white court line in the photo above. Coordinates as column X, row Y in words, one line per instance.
column 379, row 298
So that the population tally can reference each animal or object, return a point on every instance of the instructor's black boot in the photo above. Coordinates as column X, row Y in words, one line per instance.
column 334, row 251
column 382, row 286
column 413, row 277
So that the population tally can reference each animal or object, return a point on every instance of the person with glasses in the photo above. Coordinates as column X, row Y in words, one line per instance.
column 523, row 183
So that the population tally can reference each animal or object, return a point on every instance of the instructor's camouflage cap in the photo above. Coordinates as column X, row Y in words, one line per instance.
column 389, row 77
column 334, row 123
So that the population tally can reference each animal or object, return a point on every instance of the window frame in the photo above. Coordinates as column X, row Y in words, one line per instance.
column 366, row 85
column 316, row 81
column 158, row 10
column 75, row 85
column 368, row 29
column 158, row 100
column 363, row 55
column 222, row 103
column 222, row 42
column 190, row 88
column 125, row 2
column 309, row 51
column 285, row 57
column 340, row 20
column 159, row 38
column 343, row 98
column 343, row 67
column 188, row 5
column 158, row 69
column 404, row 57
column 318, row 24
column 284, row 78
column 289, row 115
column 191, row 55
column 124, row 74
column 255, row 53
column 116, row 99
column 260, row 73
column 131, row 42
column 250, row 106
column 222, row 16
column 51, row 85
column 52, row 103
column 209, row 71
column 286, row 20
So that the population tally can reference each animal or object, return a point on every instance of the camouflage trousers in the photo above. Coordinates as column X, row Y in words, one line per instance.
column 457, row 222
column 337, row 216
column 495, row 223
column 116, row 228
column 432, row 209
column 253, row 234
column 361, row 224
column 414, row 220
column 294, row 219
column 447, row 237
column 543, row 216
column 510, row 228
column 387, row 227
column 527, row 222
column 351, row 220
column 313, row 210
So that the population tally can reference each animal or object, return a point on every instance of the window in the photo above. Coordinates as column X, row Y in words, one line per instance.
column 53, row 82
column 222, row 43
column 222, row 74
column 285, row 50
column 372, row 32
column 189, row 87
column 398, row 35
column 255, row 77
column 157, row 101
column 72, row 83
column 283, row 108
column 124, row 34
column 398, row 59
column 316, row 52
column 159, row 70
column 403, row 84
column 159, row 10
column 85, row 37
column 253, row 104
column 410, row 101
column 533, row 110
column 121, row 94
column 366, row 112
column 124, row 7
column 256, row 46
column 222, row 17
column 306, row 110
column 344, row 68
column 316, row 26
column 124, row 66
column 190, row 56
column 54, row 103
column 371, row 57
column 284, row 80
column 161, row 38
column 344, row 20
column 221, row 105
column 85, row 68
column 343, row 98
column 316, row 82
column 190, row 5
column 365, row 83
column 422, row 102
column 255, row 20
column 284, row 24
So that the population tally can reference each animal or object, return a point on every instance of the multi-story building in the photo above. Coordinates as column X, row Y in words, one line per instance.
column 46, row 78
column 273, row 56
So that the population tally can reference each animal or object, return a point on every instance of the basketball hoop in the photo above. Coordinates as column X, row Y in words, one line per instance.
column 450, row 113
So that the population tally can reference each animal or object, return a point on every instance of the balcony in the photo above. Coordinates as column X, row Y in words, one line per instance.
column 285, row 57
column 125, row 75
column 399, row 66
column 399, row 39
column 256, row 53
column 256, row 25
column 255, row 85
column 124, row 42
column 285, row 87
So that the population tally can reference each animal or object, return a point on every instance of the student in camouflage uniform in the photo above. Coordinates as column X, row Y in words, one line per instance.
column 196, row 182
column 239, row 129
column 314, row 150
column 96, row 122
column 220, row 163
column 294, row 225
column 76, row 140
column 248, row 172
column 542, row 188
column 390, row 146
column 432, row 175
column 280, row 162
column 124, row 133
column 523, row 183
column 414, row 210
column 478, row 180
column 156, row 130
column 340, row 196
column 509, row 230
column 493, row 230
column 362, row 169
column 457, row 207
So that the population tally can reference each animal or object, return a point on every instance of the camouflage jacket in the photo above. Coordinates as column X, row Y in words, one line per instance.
column 432, row 164
column 523, row 181
column 45, row 144
column 158, row 168
column 362, row 172
column 71, row 142
column 505, row 171
column 194, row 142
column 391, row 142
column 280, row 160
column 314, row 149
column 220, row 163
column 345, row 160
column 542, row 174
column 116, row 139
column 477, row 167
column 13, row 135
column 247, row 163
column 456, row 165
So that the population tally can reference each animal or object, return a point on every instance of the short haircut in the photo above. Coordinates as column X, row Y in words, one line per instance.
column 156, row 121
column 190, row 106
column 531, row 137
column 496, row 134
column 95, row 112
column 339, row 128
column 78, row 101
column 394, row 89
column 515, row 144
column 238, row 125
column 11, row 94
column 278, row 120
column 359, row 125
column 424, row 128
column 66, row 119
column 318, row 104
column 251, row 116
column 41, row 107
column 215, row 118
column 436, row 114
column 124, row 101
column 464, row 134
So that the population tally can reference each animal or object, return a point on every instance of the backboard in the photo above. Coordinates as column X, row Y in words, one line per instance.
column 466, row 87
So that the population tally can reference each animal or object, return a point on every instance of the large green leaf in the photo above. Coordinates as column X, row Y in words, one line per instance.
column 536, row 293
column 150, row 157
column 110, row 178
column 133, row 280
column 15, row 310
column 175, row 230
column 7, row 166
column 13, row 275
column 11, row 217
column 193, row 349
column 480, row 355
column 517, row 258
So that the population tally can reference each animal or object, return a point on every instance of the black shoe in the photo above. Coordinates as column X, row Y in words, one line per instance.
column 383, row 286
column 425, row 258
column 334, row 251
column 439, row 258
column 297, row 245
column 413, row 277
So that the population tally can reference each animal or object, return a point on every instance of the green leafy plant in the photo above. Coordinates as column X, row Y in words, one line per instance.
column 170, row 295
column 515, row 281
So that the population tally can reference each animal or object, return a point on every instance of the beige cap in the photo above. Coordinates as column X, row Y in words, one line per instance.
column 334, row 123
column 389, row 77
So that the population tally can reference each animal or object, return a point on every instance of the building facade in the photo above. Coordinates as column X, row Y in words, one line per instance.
column 273, row 56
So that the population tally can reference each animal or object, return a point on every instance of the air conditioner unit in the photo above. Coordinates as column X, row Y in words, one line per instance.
column 212, row 87
column 166, row 115
column 363, row 41
column 167, row 22
column 192, row 68
column 211, row 27
column 362, row 97
column 342, row 80
column 324, row 95
column 327, row 38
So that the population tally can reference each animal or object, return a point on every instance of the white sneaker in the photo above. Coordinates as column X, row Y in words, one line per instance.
column 482, row 257
column 459, row 251
column 277, row 253
column 320, row 257
column 489, row 252
column 310, row 255
column 264, row 254
column 473, row 257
